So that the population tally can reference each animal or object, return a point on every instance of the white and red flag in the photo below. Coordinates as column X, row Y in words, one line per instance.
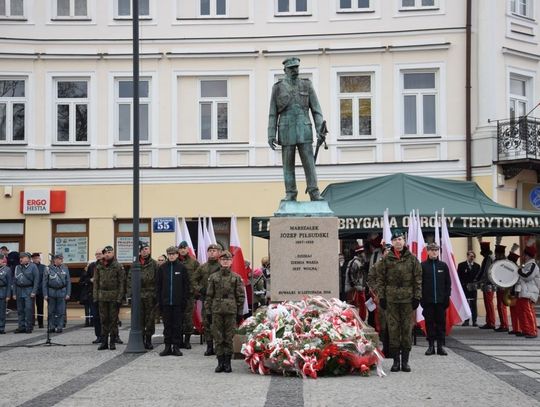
column 210, row 231
column 238, row 265
column 412, row 240
column 387, row 233
column 178, row 237
column 186, row 236
column 458, row 309
column 421, row 250
column 201, row 243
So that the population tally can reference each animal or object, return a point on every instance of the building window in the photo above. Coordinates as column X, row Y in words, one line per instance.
column 519, row 96
column 124, row 110
column 353, row 5
column 214, row 109
column 418, row 4
column 420, row 99
column 71, row 108
column 123, row 8
column 12, row 110
column 11, row 8
column 292, row 7
column 71, row 8
column 12, row 236
column 213, row 8
column 522, row 7
column 70, row 237
column 355, row 105
column 123, row 238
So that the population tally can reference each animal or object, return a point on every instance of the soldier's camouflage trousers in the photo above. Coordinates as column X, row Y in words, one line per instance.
column 207, row 325
column 188, row 317
column 108, row 313
column 223, row 329
column 399, row 322
column 148, row 316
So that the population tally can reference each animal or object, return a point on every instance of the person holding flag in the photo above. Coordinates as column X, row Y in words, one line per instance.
column 191, row 266
column 436, row 288
column 399, row 287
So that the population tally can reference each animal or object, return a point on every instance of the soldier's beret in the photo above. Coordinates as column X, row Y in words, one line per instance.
column 183, row 244
column 397, row 233
column 294, row 61
column 214, row 246
column 142, row 245
column 107, row 249
column 226, row 255
column 172, row 250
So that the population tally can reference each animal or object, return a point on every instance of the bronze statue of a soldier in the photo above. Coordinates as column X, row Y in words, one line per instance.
column 292, row 99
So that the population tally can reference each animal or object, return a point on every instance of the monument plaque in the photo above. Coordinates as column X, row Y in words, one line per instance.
column 304, row 256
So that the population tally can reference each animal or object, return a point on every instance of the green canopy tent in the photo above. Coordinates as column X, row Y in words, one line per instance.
column 469, row 212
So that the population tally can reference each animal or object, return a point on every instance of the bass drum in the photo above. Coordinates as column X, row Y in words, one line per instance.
column 503, row 273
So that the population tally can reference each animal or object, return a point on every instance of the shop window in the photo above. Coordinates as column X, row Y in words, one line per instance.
column 123, row 238
column 70, row 237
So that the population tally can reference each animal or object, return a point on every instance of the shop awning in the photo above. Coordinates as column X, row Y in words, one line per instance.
column 469, row 212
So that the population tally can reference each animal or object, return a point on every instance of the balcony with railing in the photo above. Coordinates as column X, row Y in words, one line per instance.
column 518, row 145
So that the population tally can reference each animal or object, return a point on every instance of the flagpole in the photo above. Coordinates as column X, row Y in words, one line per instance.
column 135, row 344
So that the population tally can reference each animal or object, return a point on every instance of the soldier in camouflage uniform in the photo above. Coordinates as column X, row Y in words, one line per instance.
column 109, row 289
column 202, row 275
column 149, row 269
column 191, row 266
column 292, row 99
column 399, row 286
column 224, row 304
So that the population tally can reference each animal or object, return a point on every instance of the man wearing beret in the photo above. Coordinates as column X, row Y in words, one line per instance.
column 149, row 268
column 399, row 287
column 225, row 302
column 26, row 284
column 56, row 291
column 436, row 287
column 109, row 289
column 292, row 99
column 201, row 283
column 6, row 285
column 172, row 290
column 191, row 266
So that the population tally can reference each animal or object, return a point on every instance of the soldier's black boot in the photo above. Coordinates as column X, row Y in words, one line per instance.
column 395, row 365
column 104, row 343
column 209, row 348
column 148, row 343
column 440, row 349
column 405, row 361
column 176, row 351
column 431, row 349
column 118, row 340
column 112, row 344
column 187, row 343
column 227, row 364
column 167, row 351
column 220, row 367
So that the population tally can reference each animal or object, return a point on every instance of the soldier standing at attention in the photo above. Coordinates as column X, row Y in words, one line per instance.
column 109, row 287
column 172, row 291
column 292, row 99
column 225, row 303
column 6, row 285
column 26, row 286
column 36, row 259
column 56, row 290
column 149, row 268
column 201, row 283
column 191, row 266
column 399, row 286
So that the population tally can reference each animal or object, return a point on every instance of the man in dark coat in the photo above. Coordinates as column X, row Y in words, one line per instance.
column 436, row 286
column 467, row 272
column 172, row 293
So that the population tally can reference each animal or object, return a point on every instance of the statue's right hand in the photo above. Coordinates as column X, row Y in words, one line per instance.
column 272, row 143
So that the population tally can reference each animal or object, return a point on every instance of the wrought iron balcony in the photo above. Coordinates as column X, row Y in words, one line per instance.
column 518, row 145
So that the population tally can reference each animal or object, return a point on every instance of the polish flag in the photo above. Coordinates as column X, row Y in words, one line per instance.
column 201, row 244
column 178, row 236
column 412, row 238
column 421, row 250
column 387, row 233
column 185, row 236
column 459, row 309
column 210, row 231
column 207, row 238
column 238, row 265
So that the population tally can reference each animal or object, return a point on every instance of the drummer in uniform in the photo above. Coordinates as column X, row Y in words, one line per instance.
column 502, row 309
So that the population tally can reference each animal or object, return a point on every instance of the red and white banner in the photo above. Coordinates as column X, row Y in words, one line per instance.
column 202, row 256
column 387, row 233
column 238, row 265
column 42, row 201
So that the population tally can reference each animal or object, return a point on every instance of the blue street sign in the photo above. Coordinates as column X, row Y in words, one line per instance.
column 163, row 225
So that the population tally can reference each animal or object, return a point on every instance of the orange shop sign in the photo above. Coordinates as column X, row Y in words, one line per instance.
column 42, row 201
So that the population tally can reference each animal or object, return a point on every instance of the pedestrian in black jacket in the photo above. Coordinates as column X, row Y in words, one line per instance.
column 436, row 286
column 172, row 291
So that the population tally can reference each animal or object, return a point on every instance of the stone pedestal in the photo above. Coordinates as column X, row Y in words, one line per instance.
column 304, row 248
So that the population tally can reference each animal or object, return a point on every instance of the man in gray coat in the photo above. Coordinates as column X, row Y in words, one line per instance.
column 292, row 99
column 26, row 286
column 5, row 290
column 56, row 291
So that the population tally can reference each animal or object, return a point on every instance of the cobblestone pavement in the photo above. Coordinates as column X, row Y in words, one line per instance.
column 482, row 369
